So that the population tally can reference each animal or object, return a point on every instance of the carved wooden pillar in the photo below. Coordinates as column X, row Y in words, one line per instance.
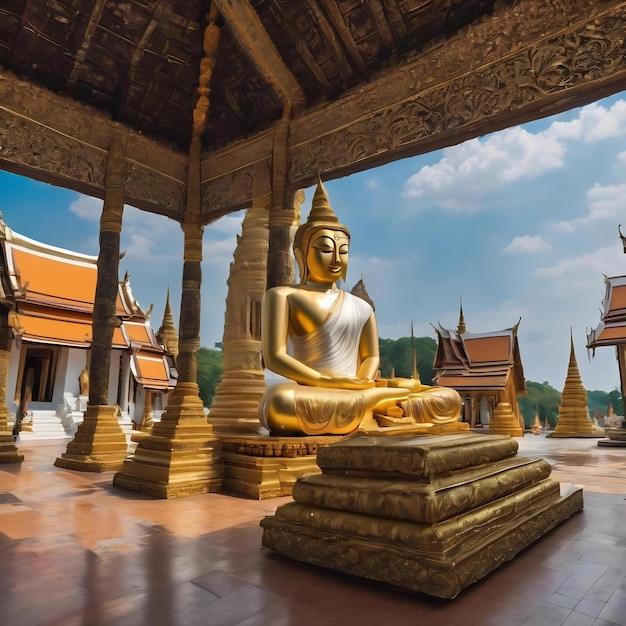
column 8, row 451
column 181, row 455
column 280, row 266
column 100, row 444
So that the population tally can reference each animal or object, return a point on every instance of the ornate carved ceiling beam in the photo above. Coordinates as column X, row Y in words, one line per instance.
column 54, row 139
column 339, row 24
column 81, row 54
column 303, row 50
column 247, row 29
column 382, row 25
column 330, row 38
column 509, row 69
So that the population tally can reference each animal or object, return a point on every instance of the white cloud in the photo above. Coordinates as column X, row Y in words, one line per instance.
column 230, row 225
column 603, row 203
column 467, row 174
column 87, row 207
column 526, row 243
column 588, row 266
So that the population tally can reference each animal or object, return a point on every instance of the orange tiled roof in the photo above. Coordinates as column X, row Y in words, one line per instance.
column 612, row 327
column 68, row 283
column 150, row 370
column 54, row 292
column 488, row 349
column 478, row 360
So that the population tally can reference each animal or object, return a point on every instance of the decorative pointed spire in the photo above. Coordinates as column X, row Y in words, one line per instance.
column 167, row 335
column 461, row 328
column 321, row 211
column 359, row 290
column 573, row 411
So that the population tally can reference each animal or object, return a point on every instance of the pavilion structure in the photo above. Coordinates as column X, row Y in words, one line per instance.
column 486, row 369
column 611, row 331
column 194, row 109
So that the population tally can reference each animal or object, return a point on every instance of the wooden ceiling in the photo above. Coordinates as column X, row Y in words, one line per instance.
column 138, row 60
column 299, row 86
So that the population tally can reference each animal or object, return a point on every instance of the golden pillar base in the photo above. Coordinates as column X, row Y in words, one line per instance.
column 99, row 444
column 267, row 467
column 180, row 457
column 432, row 515
column 8, row 449
column 504, row 422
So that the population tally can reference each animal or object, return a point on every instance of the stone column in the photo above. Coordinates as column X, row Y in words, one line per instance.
column 8, row 450
column 100, row 444
column 181, row 455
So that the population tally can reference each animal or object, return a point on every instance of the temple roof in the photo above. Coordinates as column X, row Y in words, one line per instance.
column 138, row 60
column 51, row 292
column 478, row 360
column 612, row 327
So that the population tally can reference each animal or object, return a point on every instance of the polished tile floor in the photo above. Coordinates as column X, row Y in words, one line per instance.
column 74, row 550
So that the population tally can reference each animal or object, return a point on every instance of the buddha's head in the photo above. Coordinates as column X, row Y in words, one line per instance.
column 321, row 222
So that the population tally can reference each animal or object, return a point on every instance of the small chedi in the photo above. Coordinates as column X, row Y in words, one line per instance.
column 573, row 420
column 325, row 341
column 427, row 513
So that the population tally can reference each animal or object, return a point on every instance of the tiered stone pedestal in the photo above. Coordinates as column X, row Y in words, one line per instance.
column 180, row 457
column 267, row 467
column 616, row 438
column 99, row 444
column 8, row 450
column 432, row 515
column 504, row 422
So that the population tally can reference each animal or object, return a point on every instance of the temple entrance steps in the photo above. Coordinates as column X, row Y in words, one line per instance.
column 47, row 423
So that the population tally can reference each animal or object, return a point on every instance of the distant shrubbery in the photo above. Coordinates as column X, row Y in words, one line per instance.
column 544, row 399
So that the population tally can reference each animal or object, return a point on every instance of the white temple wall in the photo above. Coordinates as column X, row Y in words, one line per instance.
column 71, row 363
column 114, row 374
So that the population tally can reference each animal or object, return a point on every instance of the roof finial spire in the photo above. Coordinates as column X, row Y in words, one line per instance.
column 461, row 328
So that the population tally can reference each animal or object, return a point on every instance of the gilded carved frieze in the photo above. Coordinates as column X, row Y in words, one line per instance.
column 227, row 193
column 150, row 187
column 568, row 62
column 31, row 146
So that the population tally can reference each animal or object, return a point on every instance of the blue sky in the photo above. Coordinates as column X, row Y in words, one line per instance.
column 520, row 223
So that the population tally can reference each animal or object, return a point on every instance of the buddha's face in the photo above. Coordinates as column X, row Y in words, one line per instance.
column 327, row 256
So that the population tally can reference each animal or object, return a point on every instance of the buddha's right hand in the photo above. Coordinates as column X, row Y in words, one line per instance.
column 341, row 381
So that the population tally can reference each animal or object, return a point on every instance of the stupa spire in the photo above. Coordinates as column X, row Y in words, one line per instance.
column 167, row 335
column 573, row 411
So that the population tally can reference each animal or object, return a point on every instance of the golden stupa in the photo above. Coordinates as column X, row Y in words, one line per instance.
column 573, row 420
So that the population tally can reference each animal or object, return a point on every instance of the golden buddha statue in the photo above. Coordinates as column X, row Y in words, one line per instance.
column 325, row 340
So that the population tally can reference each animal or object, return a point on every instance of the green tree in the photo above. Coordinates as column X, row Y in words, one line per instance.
column 397, row 354
column 615, row 397
column 543, row 399
column 598, row 401
column 210, row 368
